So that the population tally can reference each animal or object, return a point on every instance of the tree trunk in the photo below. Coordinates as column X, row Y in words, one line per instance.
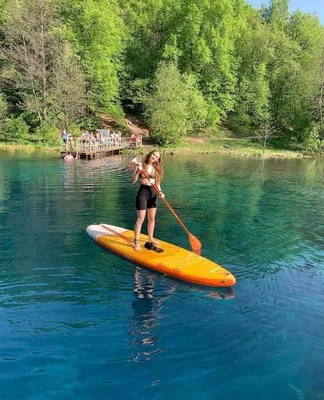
column 43, row 57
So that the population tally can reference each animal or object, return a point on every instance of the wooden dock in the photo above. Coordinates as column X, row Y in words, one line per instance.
column 88, row 151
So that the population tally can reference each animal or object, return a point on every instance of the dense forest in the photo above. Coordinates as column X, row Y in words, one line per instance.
column 180, row 66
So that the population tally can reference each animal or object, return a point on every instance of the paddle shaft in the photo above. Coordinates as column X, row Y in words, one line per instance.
column 173, row 212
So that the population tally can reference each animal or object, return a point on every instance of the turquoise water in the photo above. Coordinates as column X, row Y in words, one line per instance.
column 80, row 323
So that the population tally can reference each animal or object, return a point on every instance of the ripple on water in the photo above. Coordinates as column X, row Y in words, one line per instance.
column 78, row 320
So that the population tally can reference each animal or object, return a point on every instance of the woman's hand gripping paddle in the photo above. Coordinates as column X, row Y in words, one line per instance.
column 194, row 242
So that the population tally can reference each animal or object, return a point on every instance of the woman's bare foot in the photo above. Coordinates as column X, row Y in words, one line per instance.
column 155, row 242
column 137, row 246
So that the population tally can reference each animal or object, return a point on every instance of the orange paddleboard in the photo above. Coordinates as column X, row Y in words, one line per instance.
column 174, row 261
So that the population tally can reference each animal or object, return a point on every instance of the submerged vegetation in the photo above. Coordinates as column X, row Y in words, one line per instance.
column 182, row 67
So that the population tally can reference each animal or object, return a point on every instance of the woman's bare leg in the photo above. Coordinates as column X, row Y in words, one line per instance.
column 151, row 212
column 137, row 229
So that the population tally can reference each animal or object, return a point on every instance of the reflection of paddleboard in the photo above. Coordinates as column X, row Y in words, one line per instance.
column 174, row 261
column 222, row 295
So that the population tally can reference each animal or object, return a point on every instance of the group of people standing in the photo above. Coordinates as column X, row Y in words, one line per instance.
column 93, row 140
column 97, row 139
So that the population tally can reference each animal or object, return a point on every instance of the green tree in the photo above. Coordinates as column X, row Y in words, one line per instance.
column 196, row 35
column 279, row 12
column 197, row 108
column 292, row 84
column 30, row 47
column 69, row 88
column 318, row 84
column 312, row 141
column 252, row 95
column 3, row 108
column 206, row 31
column 15, row 129
column 146, row 22
column 37, row 61
column 3, row 112
column 167, row 106
column 97, row 30
column 263, row 133
column 305, row 29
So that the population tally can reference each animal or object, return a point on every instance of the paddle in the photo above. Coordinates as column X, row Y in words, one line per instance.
column 194, row 242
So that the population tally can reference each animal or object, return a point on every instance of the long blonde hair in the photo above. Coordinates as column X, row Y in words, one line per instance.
column 158, row 166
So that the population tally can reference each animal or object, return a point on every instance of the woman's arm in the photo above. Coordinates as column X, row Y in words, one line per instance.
column 161, row 194
column 136, row 173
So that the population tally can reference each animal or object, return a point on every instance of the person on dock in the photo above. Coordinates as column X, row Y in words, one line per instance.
column 92, row 141
column 64, row 137
column 98, row 139
column 118, row 138
column 146, row 196
column 85, row 138
column 70, row 142
column 133, row 141
column 113, row 138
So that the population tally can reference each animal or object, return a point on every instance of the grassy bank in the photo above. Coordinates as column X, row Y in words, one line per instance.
column 236, row 147
column 228, row 146
column 192, row 145
column 28, row 148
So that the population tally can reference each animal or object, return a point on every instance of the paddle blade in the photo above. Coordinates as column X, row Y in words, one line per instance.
column 195, row 244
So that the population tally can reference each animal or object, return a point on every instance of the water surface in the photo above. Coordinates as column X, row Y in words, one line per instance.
column 81, row 323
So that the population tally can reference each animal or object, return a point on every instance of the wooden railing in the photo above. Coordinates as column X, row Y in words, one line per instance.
column 103, row 145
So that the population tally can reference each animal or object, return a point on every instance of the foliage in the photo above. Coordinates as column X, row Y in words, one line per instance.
column 89, row 122
column 263, row 133
column 206, row 32
column 278, row 13
column 69, row 88
column 47, row 133
column 242, row 124
column 253, row 93
column 181, row 65
column 167, row 106
column 96, row 30
column 75, row 130
column 312, row 142
column 38, row 64
column 3, row 108
column 197, row 107
column 15, row 129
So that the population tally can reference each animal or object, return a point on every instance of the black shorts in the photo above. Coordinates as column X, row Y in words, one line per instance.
column 146, row 198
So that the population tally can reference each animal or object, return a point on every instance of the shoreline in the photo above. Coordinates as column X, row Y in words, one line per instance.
column 200, row 145
column 28, row 148
column 225, row 146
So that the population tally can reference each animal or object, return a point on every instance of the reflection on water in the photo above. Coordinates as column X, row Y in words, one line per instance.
column 222, row 294
column 147, row 312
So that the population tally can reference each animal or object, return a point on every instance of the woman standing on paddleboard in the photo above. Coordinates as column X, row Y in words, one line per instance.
column 150, row 173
